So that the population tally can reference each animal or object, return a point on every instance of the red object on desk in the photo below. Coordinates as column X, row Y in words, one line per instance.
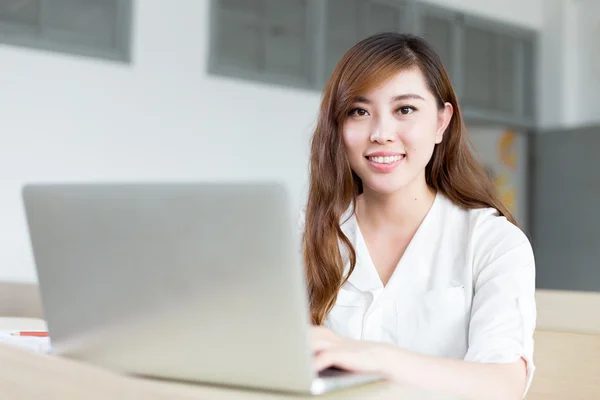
column 31, row 333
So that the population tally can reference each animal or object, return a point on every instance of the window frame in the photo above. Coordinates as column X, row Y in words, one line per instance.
column 15, row 34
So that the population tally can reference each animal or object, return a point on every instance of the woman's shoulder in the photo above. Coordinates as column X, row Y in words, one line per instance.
column 484, row 221
column 487, row 224
column 490, row 235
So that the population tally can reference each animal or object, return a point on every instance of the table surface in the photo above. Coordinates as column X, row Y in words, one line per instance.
column 28, row 375
column 22, row 324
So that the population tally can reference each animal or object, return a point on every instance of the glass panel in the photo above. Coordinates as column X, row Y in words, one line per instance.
column 528, row 91
column 22, row 12
column 438, row 32
column 85, row 21
column 243, row 7
column 286, row 48
column 480, row 67
column 240, row 42
column 507, row 72
column 342, row 30
column 382, row 18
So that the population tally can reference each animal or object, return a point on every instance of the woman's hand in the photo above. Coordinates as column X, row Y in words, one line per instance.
column 332, row 350
column 457, row 377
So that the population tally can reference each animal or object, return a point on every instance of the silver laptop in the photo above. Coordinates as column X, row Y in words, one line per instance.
column 196, row 282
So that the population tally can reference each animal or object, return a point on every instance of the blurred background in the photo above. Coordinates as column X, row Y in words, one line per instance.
column 178, row 90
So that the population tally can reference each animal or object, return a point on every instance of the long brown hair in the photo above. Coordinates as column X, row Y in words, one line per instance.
column 334, row 187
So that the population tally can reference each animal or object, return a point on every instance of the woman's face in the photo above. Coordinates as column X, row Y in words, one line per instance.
column 391, row 131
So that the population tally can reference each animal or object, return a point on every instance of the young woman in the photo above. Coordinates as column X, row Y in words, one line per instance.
column 415, row 269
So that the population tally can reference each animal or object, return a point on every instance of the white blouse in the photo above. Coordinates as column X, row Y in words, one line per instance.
column 463, row 289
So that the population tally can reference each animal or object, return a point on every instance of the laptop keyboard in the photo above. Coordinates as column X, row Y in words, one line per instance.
column 333, row 373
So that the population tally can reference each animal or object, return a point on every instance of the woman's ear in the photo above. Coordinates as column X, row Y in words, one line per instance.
column 444, row 118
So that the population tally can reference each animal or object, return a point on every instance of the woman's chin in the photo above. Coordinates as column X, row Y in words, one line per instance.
column 382, row 189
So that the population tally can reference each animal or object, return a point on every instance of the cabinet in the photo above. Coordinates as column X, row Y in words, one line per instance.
column 439, row 28
column 492, row 65
column 92, row 28
column 498, row 72
column 348, row 21
column 268, row 40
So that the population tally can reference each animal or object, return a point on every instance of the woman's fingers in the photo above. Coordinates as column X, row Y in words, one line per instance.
column 322, row 339
column 338, row 357
column 320, row 345
column 331, row 350
column 323, row 360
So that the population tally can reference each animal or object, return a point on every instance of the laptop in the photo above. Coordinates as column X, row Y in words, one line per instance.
column 199, row 282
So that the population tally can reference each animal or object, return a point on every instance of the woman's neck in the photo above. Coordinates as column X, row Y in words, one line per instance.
column 402, row 210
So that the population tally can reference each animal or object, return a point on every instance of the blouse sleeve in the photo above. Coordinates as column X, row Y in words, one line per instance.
column 503, row 313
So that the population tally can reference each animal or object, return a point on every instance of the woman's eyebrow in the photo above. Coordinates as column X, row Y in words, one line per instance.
column 405, row 96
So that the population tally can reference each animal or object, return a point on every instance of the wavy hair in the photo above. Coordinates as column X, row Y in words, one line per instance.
column 334, row 187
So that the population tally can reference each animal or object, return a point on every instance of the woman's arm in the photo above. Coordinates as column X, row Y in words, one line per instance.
column 469, row 380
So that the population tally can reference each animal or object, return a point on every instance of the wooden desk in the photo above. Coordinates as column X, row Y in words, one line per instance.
column 25, row 375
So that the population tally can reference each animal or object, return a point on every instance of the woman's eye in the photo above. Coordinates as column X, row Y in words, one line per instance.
column 406, row 110
column 358, row 112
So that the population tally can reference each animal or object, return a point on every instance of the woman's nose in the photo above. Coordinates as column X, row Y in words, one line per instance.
column 382, row 132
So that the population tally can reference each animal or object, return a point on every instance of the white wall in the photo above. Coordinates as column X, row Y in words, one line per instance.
column 67, row 118
column 569, row 80
column 588, row 84
column 550, row 89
